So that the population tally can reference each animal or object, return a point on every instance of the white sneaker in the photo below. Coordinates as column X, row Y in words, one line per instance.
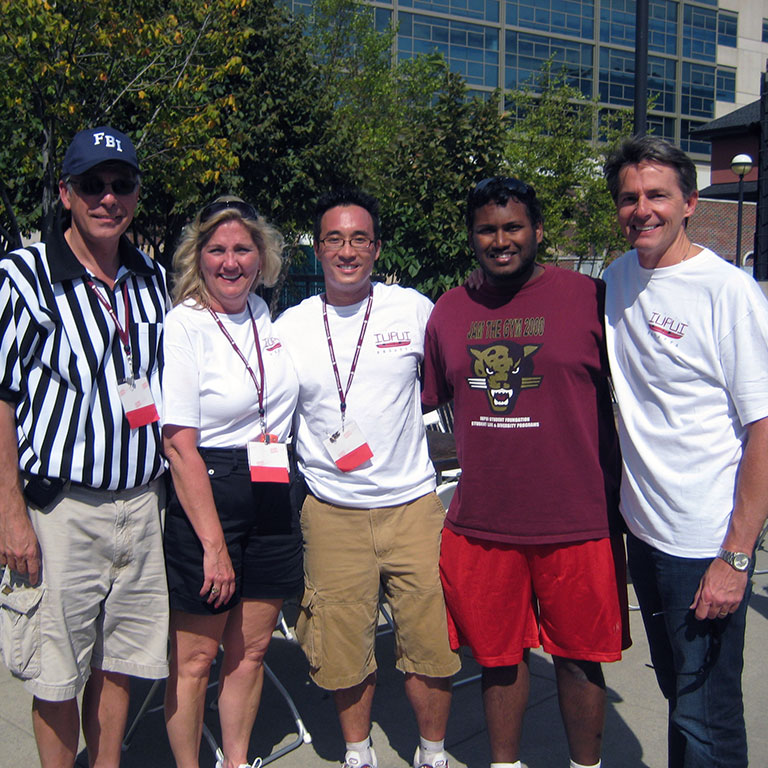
column 352, row 760
column 220, row 761
column 440, row 760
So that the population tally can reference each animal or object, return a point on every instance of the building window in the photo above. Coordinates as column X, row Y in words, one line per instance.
column 382, row 19
column 566, row 17
column 617, row 24
column 727, row 24
column 663, row 127
column 699, row 33
column 765, row 30
column 661, row 82
column 527, row 54
column 662, row 27
column 726, row 84
column 698, row 90
column 301, row 7
column 617, row 76
column 484, row 10
column 469, row 49
column 690, row 143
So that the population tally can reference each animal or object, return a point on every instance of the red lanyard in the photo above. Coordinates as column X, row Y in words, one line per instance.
column 123, row 333
column 343, row 392
column 259, row 387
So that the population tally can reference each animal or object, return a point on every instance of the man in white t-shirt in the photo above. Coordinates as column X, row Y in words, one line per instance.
column 688, row 345
column 371, row 516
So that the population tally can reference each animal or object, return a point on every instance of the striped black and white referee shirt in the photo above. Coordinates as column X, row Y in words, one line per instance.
column 61, row 360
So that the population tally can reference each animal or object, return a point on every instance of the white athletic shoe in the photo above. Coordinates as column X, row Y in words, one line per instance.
column 440, row 760
column 220, row 761
column 352, row 760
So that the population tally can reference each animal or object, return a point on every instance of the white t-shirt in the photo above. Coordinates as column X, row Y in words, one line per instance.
column 207, row 386
column 384, row 399
column 688, row 347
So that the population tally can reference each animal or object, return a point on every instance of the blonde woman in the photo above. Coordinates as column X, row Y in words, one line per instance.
column 232, row 540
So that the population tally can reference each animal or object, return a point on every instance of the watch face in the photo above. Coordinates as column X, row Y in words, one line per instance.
column 740, row 561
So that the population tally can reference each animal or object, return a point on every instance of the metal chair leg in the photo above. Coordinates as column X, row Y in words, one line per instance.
column 143, row 710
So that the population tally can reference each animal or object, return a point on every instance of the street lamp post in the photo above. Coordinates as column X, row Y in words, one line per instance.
column 741, row 165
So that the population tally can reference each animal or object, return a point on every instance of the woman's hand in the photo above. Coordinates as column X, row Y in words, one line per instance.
column 193, row 487
column 219, row 581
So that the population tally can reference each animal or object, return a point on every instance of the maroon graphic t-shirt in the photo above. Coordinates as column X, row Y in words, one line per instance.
column 533, row 418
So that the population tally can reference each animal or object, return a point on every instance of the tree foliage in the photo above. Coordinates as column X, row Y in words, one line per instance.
column 553, row 146
column 415, row 138
column 238, row 96
column 446, row 150
column 144, row 66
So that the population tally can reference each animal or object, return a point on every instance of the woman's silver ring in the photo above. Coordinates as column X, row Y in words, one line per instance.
column 214, row 590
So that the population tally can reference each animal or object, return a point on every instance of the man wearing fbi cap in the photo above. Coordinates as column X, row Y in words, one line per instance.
column 83, row 601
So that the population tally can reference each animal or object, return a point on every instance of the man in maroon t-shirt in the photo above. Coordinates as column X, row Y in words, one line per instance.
column 529, row 554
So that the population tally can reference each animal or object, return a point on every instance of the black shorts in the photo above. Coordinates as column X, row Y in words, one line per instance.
column 261, row 530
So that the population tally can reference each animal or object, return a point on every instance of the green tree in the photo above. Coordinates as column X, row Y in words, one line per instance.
column 374, row 96
column 218, row 96
column 142, row 66
column 448, row 148
column 553, row 145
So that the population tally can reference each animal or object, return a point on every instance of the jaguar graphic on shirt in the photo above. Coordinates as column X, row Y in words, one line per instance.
column 503, row 370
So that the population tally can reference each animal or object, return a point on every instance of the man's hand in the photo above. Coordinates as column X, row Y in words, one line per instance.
column 720, row 591
column 19, row 548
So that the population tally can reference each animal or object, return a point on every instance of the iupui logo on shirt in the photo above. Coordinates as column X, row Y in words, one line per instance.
column 392, row 339
column 271, row 344
column 666, row 325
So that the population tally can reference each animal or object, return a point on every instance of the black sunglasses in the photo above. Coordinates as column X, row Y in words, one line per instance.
column 90, row 186
column 244, row 209
column 508, row 183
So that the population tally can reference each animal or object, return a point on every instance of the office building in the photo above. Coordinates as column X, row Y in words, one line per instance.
column 705, row 56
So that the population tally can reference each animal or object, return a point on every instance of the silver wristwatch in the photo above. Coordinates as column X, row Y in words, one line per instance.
column 737, row 560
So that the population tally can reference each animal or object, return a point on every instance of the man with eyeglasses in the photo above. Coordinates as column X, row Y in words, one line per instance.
column 371, row 517
column 530, row 552
column 83, row 599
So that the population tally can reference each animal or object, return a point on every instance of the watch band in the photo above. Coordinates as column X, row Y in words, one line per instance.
column 738, row 560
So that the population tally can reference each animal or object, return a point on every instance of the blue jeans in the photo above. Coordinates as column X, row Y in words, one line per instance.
column 698, row 664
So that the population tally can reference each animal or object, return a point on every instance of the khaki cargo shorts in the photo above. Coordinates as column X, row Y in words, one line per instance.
column 103, row 598
column 348, row 554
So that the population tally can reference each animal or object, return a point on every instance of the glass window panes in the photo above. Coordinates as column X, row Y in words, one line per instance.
column 485, row 10
column 698, row 90
column 726, row 84
column 662, row 126
column 690, row 143
column 699, row 33
column 662, row 27
column 526, row 55
column 565, row 17
column 617, row 76
column 765, row 30
column 727, row 23
column 382, row 18
column 661, row 82
column 617, row 24
column 470, row 50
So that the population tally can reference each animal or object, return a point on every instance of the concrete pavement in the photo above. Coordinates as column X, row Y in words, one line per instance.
column 635, row 731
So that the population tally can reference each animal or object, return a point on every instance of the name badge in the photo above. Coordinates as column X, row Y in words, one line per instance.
column 268, row 460
column 348, row 447
column 139, row 407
